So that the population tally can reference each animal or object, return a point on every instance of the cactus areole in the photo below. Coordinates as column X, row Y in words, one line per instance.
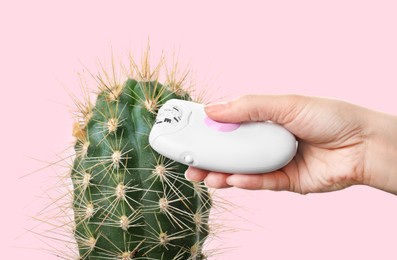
column 130, row 202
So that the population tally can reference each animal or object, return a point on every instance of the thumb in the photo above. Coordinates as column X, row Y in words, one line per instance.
column 280, row 109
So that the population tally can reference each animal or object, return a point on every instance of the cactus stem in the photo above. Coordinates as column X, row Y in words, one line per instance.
column 125, row 194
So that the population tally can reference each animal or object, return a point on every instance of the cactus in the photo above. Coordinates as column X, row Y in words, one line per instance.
column 130, row 202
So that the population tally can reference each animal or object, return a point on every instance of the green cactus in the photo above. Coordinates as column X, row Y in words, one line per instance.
column 129, row 201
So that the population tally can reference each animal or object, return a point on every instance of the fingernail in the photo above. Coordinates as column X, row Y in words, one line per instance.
column 206, row 183
column 215, row 107
column 186, row 177
column 231, row 180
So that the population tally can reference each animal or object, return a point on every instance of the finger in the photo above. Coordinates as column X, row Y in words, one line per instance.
column 277, row 108
column 217, row 180
column 195, row 174
column 275, row 181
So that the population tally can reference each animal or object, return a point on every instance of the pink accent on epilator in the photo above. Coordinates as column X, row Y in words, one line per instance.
column 221, row 127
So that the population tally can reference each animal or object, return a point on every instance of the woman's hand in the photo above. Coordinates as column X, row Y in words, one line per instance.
column 340, row 144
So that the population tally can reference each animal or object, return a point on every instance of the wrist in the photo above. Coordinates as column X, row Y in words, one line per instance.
column 380, row 169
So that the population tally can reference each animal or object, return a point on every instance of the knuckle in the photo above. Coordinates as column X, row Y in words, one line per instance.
column 247, row 98
column 292, row 107
column 246, row 105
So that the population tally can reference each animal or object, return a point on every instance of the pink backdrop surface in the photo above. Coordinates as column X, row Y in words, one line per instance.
column 340, row 49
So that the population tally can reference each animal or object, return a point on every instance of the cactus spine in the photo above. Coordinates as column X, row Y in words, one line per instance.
column 130, row 202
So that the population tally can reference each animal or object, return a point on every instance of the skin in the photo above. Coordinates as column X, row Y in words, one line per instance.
column 340, row 145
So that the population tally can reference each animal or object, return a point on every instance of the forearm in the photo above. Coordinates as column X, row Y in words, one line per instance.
column 381, row 152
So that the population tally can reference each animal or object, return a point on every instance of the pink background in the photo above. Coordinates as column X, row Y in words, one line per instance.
column 341, row 49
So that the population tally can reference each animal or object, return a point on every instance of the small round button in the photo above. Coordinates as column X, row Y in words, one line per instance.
column 188, row 159
column 221, row 127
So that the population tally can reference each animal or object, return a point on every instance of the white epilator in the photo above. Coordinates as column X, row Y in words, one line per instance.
column 184, row 133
